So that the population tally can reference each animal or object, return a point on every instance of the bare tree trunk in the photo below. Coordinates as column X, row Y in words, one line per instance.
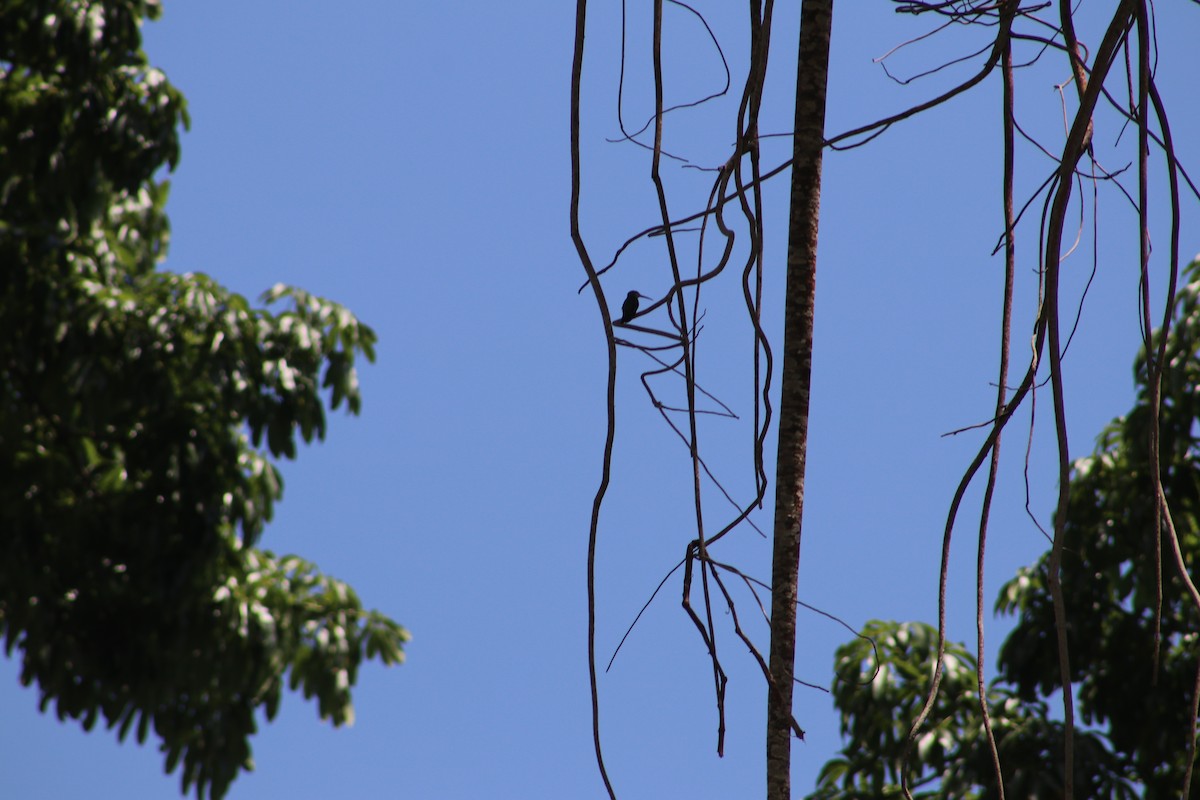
column 816, row 17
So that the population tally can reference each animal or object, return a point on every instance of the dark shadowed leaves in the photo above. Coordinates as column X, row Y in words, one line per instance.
column 135, row 405
column 1135, row 720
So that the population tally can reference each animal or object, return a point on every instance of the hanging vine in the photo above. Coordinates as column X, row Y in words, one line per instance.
column 734, row 216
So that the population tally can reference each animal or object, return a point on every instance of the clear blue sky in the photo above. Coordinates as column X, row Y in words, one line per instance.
column 411, row 161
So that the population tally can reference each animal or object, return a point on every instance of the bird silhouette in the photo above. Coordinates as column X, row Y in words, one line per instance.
column 630, row 307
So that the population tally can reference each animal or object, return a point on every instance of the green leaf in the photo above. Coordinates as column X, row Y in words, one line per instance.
column 135, row 488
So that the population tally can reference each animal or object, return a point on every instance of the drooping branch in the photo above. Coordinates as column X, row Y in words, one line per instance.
column 1010, row 258
column 611, row 385
column 1077, row 142
column 734, row 212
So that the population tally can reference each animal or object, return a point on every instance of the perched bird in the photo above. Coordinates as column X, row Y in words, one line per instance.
column 630, row 306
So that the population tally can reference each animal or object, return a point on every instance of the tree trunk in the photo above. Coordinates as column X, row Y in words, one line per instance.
column 816, row 17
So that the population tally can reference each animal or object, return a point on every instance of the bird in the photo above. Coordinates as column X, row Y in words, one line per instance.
column 630, row 306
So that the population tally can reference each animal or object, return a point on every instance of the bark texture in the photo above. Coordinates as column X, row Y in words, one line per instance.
column 816, row 18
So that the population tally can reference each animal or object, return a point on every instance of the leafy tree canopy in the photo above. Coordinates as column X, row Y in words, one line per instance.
column 139, row 410
column 1139, row 713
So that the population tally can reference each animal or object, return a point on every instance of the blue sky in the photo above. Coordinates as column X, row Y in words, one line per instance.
column 411, row 161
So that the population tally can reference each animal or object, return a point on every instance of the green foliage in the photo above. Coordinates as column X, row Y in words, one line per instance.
column 881, row 690
column 1108, row 575
column 882, row 679
column 1135, row 719
column 138, row 413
